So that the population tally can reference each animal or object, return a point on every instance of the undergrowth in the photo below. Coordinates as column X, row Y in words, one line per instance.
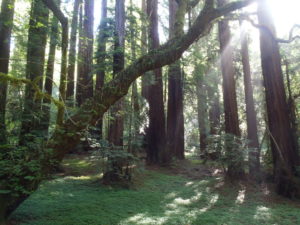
column 156, row 199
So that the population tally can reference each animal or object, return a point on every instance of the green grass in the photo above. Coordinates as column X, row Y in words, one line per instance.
column 158, row 199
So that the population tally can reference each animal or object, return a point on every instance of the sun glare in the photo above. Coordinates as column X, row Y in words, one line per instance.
column 285, row 14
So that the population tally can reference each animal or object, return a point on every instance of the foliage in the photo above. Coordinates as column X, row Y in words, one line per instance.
column 227, row 149
column 22, row 165
column 118, row 163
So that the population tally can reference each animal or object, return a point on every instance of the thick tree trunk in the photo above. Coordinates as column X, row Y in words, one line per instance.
column 6, row 23
column 175, row 120
column 88, row 28
column 72, row 53
column 37, row 38
column 229, row 92
column 49, row 76
column 284, row 148
column 254, row 153
column 117, row 124
column 156, row 133
column 68, row 136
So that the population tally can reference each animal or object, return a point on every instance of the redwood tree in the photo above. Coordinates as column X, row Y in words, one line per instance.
column 229, row 92
column 85, row 70
column 283, row 146
column 72, row 53
column 175, row 120
column 37, row 38
column 156, row 152
column 6, row 23
column 117, row 124
column 254, row 156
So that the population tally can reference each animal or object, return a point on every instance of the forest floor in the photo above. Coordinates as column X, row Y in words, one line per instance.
column 190, row 193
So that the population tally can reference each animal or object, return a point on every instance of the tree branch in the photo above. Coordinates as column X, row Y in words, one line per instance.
column 168, row 53
column 266, row 29
column 56, row 11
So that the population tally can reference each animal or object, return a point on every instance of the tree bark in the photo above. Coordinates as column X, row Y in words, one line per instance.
column 80, row 60
column 6, row 24
column 72, row 54
column 214, row 110
column 175, row 120
column 156, row 133
column 202, row 108
column 229, row 92
column 85, row 54
column 283, row 146
column 291, row 105
column 117, row 124
column 37, row 38
column 254, row 153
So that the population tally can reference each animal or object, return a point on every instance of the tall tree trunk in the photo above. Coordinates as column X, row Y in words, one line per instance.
column 135, row 116
column 85, row 54
column 254, row 153
column 37, row 39
column 101, row 56
column 145, row 78
column 291, row 104
column 202, row 108
column 88, row 28
column 49, row 76
column 116, row 128
column 175, row 121
column 214, row 110
column 63, row 72
column 6, row 24
column 284, row 148
column 80, row 60
column 229, row 92
column 72, row 53
column 156, row 134
column 117, row 124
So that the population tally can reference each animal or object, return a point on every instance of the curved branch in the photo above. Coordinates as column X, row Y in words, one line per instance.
column 168, row 53
column 266, row 29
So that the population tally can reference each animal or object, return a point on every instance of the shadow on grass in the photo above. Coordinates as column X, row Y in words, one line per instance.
column 161, row 199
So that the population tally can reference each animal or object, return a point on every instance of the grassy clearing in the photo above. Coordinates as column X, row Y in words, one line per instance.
column 158, row 199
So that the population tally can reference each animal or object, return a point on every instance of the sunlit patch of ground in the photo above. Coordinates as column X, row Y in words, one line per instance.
column 159, row 198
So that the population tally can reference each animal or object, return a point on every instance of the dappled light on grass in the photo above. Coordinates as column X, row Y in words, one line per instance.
column 262, row 212
column 158, row 199
column 241, row 197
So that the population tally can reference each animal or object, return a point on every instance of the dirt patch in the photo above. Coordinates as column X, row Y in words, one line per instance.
column 188, row 169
